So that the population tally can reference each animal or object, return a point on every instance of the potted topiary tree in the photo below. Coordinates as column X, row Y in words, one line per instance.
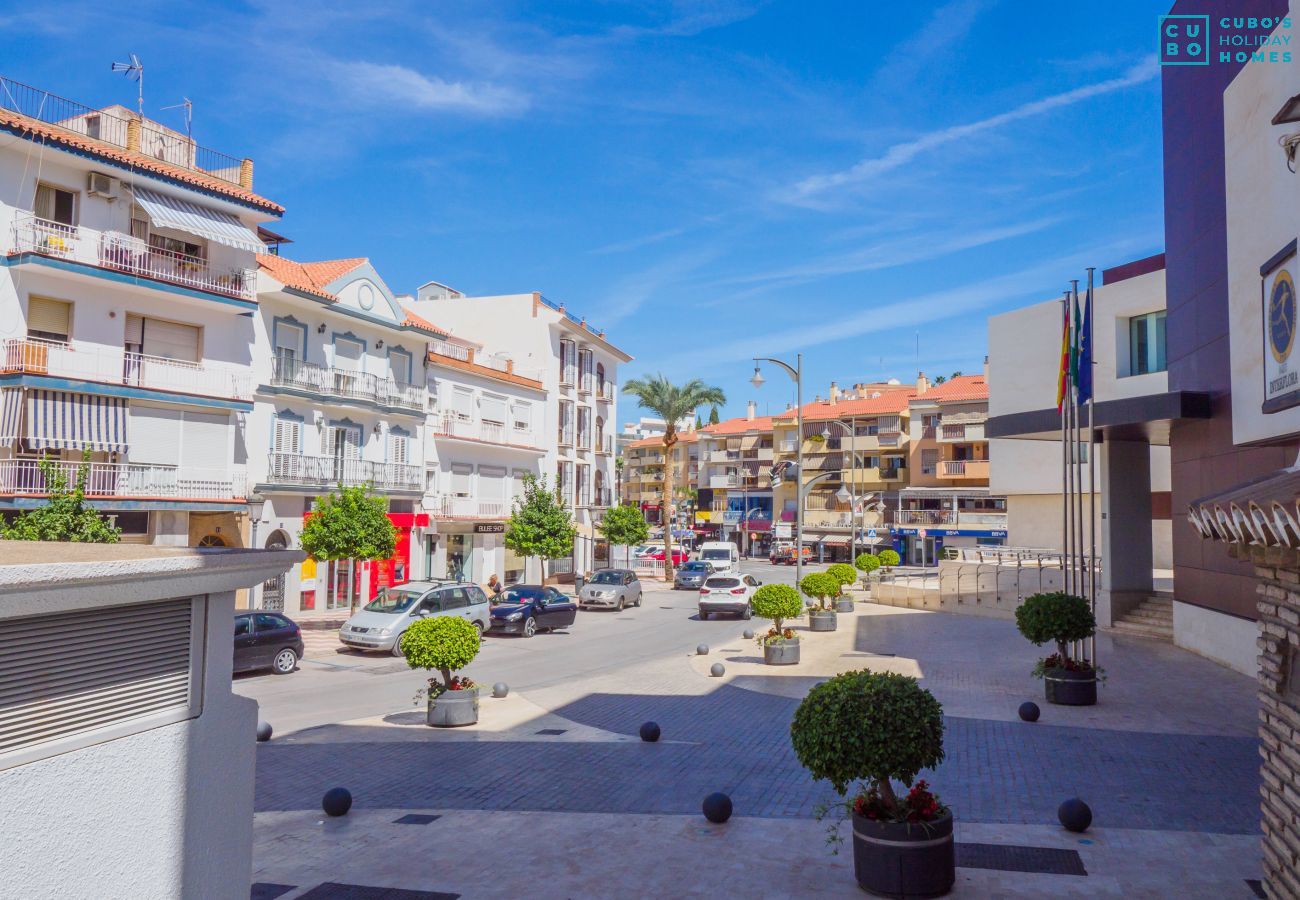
column 821, row 586
column 888, row 559
column 845, row 574
column 874, row 728
column 867, row 563
column 444, row 644
column 778, row 602
column 1068, row 680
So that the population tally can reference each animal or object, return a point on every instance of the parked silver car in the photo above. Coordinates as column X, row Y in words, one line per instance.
column 691, row 575
column 611, row 589
column 380, row 624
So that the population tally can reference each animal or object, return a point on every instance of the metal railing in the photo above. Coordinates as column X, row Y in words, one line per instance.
column 451, row 351
column 451, row 506
column 113, row 129
column 605, row 445
column 347, row 384
column 124, row 253
column 605, row 391
column 566, row 437
column 925, row 517
column 324, row 471
column 107, row 365
column 963, row 468
column 105, row 479
column 454, row 425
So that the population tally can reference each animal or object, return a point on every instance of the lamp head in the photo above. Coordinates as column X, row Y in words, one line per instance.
column 758, row 379
column 843, row 494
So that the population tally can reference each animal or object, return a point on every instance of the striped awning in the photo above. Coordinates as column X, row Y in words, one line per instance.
column 11, row 414
column 213, row 224
column 58, row 420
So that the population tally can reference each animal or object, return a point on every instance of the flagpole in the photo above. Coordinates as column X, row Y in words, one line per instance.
column 1092, row 489
column 1077, row 438
column 1062, row 387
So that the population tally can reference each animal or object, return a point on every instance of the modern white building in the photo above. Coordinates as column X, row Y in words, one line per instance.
column 579, row 369
column 486, row 431
column 1133, row 408
column 127, row 304
column 341, row 399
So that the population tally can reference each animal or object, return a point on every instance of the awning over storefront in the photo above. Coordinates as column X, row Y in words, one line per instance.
column 58, row 420
column 212, row 224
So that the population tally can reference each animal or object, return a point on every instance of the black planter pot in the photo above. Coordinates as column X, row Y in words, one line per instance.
column 821, row 620
column 844, row 605
column 1066, row 688
column 782, row 653
column 893, row 859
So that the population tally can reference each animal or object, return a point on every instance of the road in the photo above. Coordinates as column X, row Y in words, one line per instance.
column 351, row 685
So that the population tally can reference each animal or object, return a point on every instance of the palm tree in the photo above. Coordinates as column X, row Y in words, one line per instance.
column 672, row 403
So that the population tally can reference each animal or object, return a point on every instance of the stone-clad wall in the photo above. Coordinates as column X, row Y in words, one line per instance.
column 1279, row 727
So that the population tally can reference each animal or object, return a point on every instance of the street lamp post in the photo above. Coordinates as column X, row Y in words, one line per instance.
column 850, row 494
column 796, row 375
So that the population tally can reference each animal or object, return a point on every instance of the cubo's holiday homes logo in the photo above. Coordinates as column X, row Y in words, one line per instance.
column 1196, row 41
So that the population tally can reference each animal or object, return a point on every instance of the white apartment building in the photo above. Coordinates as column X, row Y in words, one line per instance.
column 579, row 368
column 486, row 430
column 341, row 399
column 127, row 304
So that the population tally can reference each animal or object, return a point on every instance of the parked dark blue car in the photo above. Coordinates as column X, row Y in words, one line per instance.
column 525, row 608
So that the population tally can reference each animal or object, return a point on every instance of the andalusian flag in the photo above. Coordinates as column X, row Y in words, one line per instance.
column 1064, row 373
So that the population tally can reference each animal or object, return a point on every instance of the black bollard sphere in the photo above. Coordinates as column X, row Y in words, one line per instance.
column 337, row 801
column 717, row 807
column 702, row 650
column 500, row 689
column 717, row 670
column 1075, row 815
column 263, row 731
column 650, row 732
column 1029, row 711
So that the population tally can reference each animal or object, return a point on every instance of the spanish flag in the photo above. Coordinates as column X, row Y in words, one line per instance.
column 1062, row 378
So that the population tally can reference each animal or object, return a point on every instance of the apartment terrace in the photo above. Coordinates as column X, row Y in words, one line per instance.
column 458, row 427
column 347, row 384
column 467, row 359
column 96, row 363
column 124, row 480
column 448, row 506
column 119, row 252
column 950, row 518
column 329, row 471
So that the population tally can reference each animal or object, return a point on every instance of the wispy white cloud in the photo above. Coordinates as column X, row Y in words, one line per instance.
column 389, row 84
column 901, row 154
column 634, row 290
column 917, row 54
column 644, row 240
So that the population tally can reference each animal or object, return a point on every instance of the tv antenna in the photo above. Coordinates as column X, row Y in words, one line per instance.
column 187, row 105
column 133, row 70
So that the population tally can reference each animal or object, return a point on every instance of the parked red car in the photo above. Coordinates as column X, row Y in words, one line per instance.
column 679, row 556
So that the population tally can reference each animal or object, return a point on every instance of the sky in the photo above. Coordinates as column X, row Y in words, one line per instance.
column 861, row 182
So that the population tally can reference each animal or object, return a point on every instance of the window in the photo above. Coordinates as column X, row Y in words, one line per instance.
column 269, row 622
column 242, row 625
column 54, row 204
column 400, row 363
column 290, row 341
column 456, row 598
column 49, row 320
column 461, row 478
column 288, row 436
column 398, row 448
column 522, row 415
column 492, row 408
column 929, row 461
column 163, row 339
column 1146, row 340
column 175, row 248
column 462, row 404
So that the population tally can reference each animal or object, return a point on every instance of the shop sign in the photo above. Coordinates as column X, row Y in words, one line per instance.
column 1281, row 373
column 489, row 527
column 783, row 530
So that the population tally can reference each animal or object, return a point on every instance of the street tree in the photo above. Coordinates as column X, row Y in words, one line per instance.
column 624, row 525
column 349, row 524
column 540, row 524
column 672, row 403
column 65, row 516
column 713, row 415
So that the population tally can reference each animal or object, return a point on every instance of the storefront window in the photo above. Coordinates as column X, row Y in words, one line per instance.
column 514, row 570
column 460, row 557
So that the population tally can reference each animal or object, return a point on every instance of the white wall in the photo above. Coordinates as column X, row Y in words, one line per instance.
column 1223, row 638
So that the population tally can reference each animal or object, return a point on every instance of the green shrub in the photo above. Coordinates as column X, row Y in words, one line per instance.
column 867, row 562
column 440, row 643
column 868, row 726
column 821, row 586
column 844, row 573
column 777, row 602
column 889, row 558
column 1057, row 617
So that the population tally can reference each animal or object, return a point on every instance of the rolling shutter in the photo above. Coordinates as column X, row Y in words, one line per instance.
column 347, row 355
column 492, row 409
column 49, row 316
column 171, row 340
column 76, row 673
column 522, row 414
column 155, row 435
column 462, row 403
column 205, row 440
column 461, row 480
column 491, row 483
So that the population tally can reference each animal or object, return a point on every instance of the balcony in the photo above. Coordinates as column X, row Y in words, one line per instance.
column 824, row 518
column 961, row 432
column 605, row 392
column 874, row 475
column 889, row 425
column 964, row 468
column 724, row 481
column 568, row 376
column 789, row 445
column 448, row 506
column 125, row 480
column 982, row 519
column 454, row 425
column 124, row 253
column 605, row 445
column 761, row 454
column 602, row 497
column 108, row 365
column 584, row 441
column 344, row 384
column 924, row 517
column 722, row 456
column 329, row 471
column 566, row 437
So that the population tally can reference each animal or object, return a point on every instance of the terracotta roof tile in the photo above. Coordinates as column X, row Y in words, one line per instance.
column 740, row 425
column 963, row 387
column 25, row 126
column 421, row 323
column 888, row 403
column 292, row 275
column 327, row 270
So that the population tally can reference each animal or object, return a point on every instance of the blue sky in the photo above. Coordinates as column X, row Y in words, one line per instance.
column 706, row 181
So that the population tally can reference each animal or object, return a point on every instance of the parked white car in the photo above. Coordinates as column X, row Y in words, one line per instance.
column 728, row 594
column 379, row 625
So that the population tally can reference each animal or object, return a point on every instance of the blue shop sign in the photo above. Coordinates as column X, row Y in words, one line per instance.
column 950, row 532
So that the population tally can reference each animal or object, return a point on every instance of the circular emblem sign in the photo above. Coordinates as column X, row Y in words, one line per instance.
column 1282, row 316
column 366, row 296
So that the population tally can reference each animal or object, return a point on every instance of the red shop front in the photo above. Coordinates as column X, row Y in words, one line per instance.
column 372, row 574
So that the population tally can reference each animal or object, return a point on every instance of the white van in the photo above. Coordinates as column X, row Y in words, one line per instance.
column 722, row 555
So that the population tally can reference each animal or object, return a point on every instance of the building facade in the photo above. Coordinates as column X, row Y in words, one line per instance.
column 733, row 488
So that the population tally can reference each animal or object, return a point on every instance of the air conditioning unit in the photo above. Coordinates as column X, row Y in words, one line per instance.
column 100, row 185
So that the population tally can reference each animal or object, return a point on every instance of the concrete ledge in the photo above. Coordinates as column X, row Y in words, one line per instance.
column 1228, row 640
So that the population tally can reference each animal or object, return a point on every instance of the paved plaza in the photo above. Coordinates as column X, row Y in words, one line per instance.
column 1167, row 760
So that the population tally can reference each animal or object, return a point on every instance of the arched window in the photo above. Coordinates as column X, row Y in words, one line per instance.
column 600, row 430
column 600, row 378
